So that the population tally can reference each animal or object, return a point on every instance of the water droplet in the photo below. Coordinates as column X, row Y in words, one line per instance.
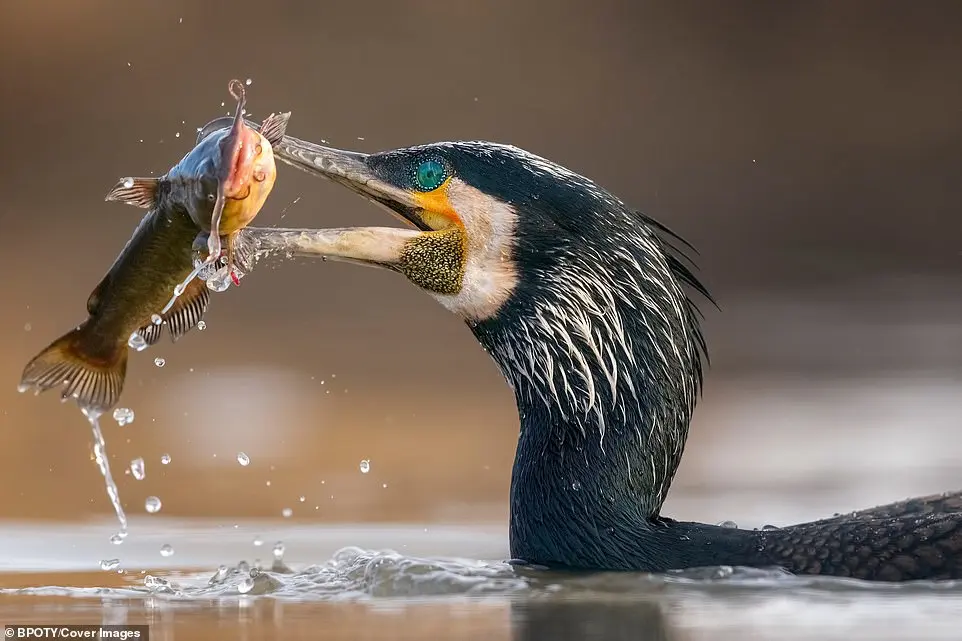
column 384, row 485
column 109, row 564
column 243, row 459
column 137, row 469
column 166, row 550
column 159, row 362
column 27, row 327
column 248, row 82
column 136, row 342
column 123, row 416
column 245, row 586
column 728, row 524
column 287, row 512
column 219, row 280
column 179, row 289
column 258, row 541
column 156, row 319
column 152, row 504
column 302, row 499
column 177, row 135
column 221, row 104
column 116, row 539
column 165, row 459
column 365, row 466
column 279, row 550
column 128, row 182
column 576, row 486
column 201, row 325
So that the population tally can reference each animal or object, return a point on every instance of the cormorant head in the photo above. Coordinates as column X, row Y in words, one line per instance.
column 580, row 299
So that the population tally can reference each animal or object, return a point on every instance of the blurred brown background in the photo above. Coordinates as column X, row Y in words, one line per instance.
column 811, row 150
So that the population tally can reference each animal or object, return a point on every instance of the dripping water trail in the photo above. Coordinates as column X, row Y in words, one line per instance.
column 100, row 455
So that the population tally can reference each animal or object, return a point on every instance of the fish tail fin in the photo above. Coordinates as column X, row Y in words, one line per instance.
column 88, row 371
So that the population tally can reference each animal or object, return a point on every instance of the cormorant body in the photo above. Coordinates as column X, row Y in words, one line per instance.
column 586, row 306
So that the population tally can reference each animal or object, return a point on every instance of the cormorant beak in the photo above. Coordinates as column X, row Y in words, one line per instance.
column 350, row 168
column 377, row 246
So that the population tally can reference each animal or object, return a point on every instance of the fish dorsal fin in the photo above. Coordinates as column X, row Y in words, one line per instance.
column 139, row 192
column 275, row 126
column 186, row 312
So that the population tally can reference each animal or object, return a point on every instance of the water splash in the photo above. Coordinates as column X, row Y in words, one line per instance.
column 157, row 584
column 100, row 456
column 137, row 469
column 181, row 287
column 220, row 281
column 109, row 564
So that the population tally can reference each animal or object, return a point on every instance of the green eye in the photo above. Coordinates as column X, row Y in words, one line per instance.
column 430, row 175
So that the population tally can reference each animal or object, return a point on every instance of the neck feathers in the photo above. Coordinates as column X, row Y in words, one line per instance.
column 603, row 349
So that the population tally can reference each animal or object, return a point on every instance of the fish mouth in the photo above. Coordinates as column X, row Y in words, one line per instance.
column 351, row 169
column 241, row 150
column 244, row 196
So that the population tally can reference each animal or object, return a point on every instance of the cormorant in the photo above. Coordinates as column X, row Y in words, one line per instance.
column 586, row 306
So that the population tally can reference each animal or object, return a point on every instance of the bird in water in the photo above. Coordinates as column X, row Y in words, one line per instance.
column 587, row 306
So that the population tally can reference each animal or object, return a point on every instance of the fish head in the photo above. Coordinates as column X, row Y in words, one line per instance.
column 231, row 166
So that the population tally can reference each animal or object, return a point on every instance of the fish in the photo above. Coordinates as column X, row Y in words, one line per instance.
column 225, row 178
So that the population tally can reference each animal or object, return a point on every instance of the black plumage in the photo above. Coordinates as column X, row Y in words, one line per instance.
column 600, row 340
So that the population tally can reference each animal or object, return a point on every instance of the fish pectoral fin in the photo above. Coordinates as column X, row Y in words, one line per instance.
column 275, row 126
column 139, row 192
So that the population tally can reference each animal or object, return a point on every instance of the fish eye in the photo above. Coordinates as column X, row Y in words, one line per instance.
column 430, row 174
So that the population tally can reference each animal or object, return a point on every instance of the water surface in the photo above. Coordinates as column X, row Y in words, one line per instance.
column 410, row 582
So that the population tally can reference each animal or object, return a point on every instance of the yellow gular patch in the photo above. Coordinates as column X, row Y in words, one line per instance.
column 437, row 211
